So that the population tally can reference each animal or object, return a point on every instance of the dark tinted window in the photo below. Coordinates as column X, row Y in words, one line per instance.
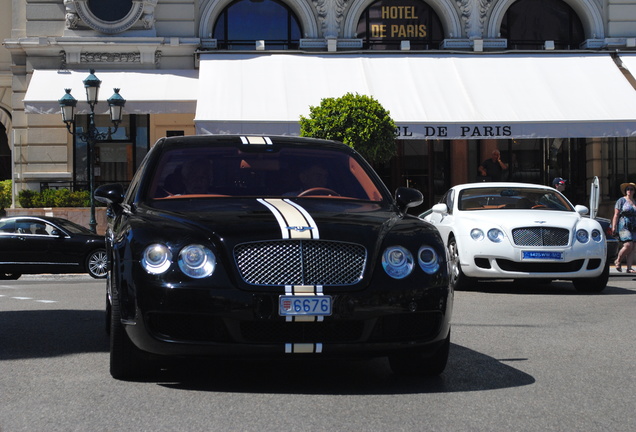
column 244, row 21
column 529, row 23
column 385, row 23
column 287, row 172
column 110, row 10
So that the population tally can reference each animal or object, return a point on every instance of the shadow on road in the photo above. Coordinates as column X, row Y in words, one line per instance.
column 467, row 370
column 531, row 287
column 51, row 333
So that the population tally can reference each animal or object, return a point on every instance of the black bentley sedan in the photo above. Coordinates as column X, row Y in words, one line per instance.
column 41, row 244
column 271, row 246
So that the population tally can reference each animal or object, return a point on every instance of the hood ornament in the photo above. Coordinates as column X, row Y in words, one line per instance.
column 299, row 228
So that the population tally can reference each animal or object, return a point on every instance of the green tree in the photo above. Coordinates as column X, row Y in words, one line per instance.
column 358, row 121
column 5, row 194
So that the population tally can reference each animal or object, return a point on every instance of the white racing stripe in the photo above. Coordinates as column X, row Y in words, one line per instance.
column 296, row 223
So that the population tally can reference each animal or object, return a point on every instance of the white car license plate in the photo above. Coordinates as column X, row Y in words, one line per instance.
column 304, row 305
column 542, row 255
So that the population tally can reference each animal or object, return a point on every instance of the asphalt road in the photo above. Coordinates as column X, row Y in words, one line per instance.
column 522, row 359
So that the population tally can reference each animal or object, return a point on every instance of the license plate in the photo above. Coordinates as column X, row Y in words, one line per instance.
column 304, row 305
column 542, row 255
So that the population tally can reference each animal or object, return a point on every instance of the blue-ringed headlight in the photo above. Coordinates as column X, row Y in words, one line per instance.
column 428, row 260
column 197, row 261
column 397, row 262
column 596, row 236
column 156, row 258
column 495, row 235
column 582, row 236
column 477, row 234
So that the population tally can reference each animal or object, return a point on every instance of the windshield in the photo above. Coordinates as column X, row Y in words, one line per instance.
column 497, row 198
column 207, row 171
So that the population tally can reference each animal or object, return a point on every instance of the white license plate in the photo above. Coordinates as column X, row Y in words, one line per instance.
column 542, row 255
column 289, row 305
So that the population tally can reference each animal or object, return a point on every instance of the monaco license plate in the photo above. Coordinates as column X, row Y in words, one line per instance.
column 304, row 305
column 542, row 255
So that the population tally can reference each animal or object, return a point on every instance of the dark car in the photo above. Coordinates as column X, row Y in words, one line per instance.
column 288, row 247
column 41, row 244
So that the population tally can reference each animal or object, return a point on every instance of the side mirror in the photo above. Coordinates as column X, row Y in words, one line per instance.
column 581, row 209
column 440, row 208
column 110, row 194
column 407, row 198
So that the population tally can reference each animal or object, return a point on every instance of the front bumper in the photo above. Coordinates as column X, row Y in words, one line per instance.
column 230, row 322
column 503, row 261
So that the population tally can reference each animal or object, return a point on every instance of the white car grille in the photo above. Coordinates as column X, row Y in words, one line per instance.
column 540, row 236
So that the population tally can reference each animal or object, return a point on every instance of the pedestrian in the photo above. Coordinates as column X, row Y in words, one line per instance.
column 493, row 168
column 559, row 184
column 624, row 224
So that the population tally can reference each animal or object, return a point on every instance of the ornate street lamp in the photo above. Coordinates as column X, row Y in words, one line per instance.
column 92, row 134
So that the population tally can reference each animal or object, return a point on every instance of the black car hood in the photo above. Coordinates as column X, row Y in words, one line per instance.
column 236, row 220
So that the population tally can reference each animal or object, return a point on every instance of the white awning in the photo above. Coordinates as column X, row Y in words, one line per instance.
column 145, row 91
column 435, row 96
column 629, row 62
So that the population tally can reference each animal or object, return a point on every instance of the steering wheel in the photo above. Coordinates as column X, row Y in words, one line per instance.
column 539, row 206
column 320, row 191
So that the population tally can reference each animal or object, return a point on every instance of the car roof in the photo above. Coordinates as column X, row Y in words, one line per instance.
column 214, row 139
column 480, row 185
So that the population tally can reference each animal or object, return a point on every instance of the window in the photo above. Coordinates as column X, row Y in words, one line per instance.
column 386, row 23
column 244, row 22
column 110, row 10
column 529, row 23
column 115, row 158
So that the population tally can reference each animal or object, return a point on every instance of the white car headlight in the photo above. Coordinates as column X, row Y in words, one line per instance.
column 495, row 235
column 397, row 262
column 197, row 261
column 597, row 236
column 477, row 234
column 428, row 259
column 582, row 236
column 156, row 258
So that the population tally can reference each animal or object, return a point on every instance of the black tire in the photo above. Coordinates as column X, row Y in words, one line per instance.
column 97, row 263
column 592, row 285
column 417, row 364
column 127, row 362
column 10, row 276
column 458, row 280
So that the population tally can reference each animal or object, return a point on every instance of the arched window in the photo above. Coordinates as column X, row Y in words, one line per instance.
column 245, row 21
column 110, row 10
column 386, row 23
column 529, row 23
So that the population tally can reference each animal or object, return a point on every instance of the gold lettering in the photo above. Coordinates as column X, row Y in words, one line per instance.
column 398, row 12
column 378, row 31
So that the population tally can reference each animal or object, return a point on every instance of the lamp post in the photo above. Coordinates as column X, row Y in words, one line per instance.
column 92, row 134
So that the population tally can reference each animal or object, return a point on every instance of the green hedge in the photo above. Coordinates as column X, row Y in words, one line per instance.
column 54, row 198
column 5, row 194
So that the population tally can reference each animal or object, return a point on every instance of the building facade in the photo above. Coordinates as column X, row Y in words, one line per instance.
column 550, row 83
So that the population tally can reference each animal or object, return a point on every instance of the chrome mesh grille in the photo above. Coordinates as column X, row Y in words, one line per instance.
column 300, row 262
column 540, row 236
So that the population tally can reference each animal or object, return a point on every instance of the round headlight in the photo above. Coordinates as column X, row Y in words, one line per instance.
column 156, row 258
column 495, row 235
column 427, row 258
column 197, row 261
column 477, row 234
column 582, row 236
column 397, row 262
column 597, row 236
